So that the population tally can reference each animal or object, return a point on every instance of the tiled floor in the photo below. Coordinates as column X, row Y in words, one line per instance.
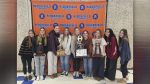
column 69, row 80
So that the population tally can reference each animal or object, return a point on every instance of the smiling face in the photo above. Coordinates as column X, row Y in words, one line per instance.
column 42, row 31
column 57, row 29
column 85, row 35
column 107, row 33
column 66, row 31
column 77, row 31
column 31, row 34
column 97, row 34
column 121, row 34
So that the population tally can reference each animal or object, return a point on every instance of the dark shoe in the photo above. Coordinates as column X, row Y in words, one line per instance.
column 63, row 73
column 26, row 78
column 30, row 77
column 55, row 75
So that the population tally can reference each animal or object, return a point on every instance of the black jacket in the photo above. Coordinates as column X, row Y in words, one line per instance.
column 24, row 48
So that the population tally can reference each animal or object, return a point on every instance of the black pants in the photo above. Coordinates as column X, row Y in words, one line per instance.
column 76, row 64
column 111, row 65
column 98, row 67
column 26, row 60
column 124, row 69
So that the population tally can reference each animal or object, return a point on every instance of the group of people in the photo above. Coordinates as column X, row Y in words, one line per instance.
column 99, row 48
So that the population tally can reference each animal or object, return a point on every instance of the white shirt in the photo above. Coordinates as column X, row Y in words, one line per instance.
column 102, row 44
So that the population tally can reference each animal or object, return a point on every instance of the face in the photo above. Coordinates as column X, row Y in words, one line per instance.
column 57, row 29
column 97, row 34
column 66, row 31
column 31, row 34
column 121, row 34
column 107, row 33
column 77, row 31
column 42, row 31
column 85, row 34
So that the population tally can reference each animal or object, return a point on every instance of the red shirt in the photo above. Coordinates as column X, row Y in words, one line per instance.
column 111, row 48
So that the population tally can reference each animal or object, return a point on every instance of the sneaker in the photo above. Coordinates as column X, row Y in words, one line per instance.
column 63, row 73
column 38, row 78
column 74, row 73
column 66, row 74
column 30, row 77
column 55, row 75
column 77, row 74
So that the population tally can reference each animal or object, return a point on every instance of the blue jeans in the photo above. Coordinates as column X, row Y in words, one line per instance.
column 39, row 65
column 65, row 63
column 88, row 66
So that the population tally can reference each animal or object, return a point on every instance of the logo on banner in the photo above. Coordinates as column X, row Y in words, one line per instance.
column 82, row 7
column 68, row 16
column 55, row 6
column 81, row 25
column 95, row 16
column 42, row 16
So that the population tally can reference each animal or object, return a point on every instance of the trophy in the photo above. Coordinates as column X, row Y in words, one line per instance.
column 79, row 42
column 80, row 51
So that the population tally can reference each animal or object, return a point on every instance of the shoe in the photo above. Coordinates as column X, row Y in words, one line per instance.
column 38, row 78
column 55, row 75
column 30, row 77
column 74, row 73
column 127, row 77
column 77, row 74
column 63, row 73
column 41, row 77
column 26, row 78
column 66, row 74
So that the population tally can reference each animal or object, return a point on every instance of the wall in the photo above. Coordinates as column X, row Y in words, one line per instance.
column 120, row 15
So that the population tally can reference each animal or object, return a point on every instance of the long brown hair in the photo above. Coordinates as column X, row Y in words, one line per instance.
column 40, row 36
column 125, row 37
column 29, row 39
column 99, row 32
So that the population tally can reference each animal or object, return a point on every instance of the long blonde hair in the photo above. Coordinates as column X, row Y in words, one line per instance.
column 40, row 36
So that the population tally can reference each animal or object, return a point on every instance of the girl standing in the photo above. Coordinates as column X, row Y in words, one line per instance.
column 26, row 52
column 66, row 43
column 87, row 60
column 40, row 53
column 111, row 53
column 99, row 54
column 125, row 54
column 76, row 61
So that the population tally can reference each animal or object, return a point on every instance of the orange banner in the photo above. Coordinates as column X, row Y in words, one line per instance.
column 85, row 15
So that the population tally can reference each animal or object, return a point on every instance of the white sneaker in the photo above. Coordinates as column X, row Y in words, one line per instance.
column 74, row 73
column 38, row 78
column 41, row 77
column 63, row 73
column 77, row 74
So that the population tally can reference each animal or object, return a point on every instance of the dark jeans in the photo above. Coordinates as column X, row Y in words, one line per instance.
column 124, row 69
column 111, row 65
column 26, row 60
column 76, row 64
column 98, row 67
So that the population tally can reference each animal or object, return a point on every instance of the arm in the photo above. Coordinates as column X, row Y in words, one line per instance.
column 73, row 45
column 113, row 46
column 68, row 45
